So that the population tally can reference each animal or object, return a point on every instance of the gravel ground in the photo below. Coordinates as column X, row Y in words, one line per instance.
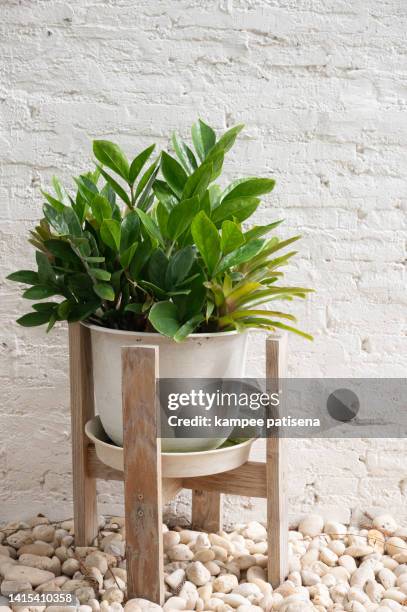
column 331, row 567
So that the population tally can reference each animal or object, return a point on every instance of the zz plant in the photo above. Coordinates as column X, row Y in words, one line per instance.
column 159, row 249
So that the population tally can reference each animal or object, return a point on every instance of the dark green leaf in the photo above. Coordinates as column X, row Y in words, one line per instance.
column 46, row 274
column 39, row 292
column 138, row 162
column 181, row 217
column 55, row 219
column 133, row 307
column 146, row 198
column 232, row 237
column 164, row 318
column 179, row 266
column 104, row 291
column 109, row 154
column 110, row 233
column 127, row 255
column 150, row 225
column 203, row 138
column 56, row 204
column 164, row 194
column 32, row 319
column 79, row 312
column 239, row 209
column 140, row 259
column 45, row 306
column 72, row 221
column 207, row 240
column 184, row 154
column 146, row 177
column 240, row 255
column 173, row 173
column 157, row 268
column 101, row 208
column 198, row 182
column 62, row 250
column 130, row 230
column 118, row 189
column 28, row 277
column 162, row 214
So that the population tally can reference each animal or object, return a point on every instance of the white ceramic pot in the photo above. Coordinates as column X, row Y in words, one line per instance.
column 212, row 355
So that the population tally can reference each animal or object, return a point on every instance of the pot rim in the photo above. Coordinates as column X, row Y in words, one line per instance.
column 124, row 332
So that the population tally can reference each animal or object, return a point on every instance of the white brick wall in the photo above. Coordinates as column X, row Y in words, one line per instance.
column 321, row 86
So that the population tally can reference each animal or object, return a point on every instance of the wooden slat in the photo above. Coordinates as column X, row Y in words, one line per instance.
column 206, row 510
column 142, row 474
column 97, row 469
column 82, row 409
column 277, row 511
column 248, row 480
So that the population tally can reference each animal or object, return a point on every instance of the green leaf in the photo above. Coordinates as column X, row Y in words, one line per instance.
column 130, row 230
column 133, row 307
column 100, row 274
column 198, row 182
column 109, row 154
column 79, row 312
column 62, row 250
column 55, row 219
column 226, row 142
column 142, row 255
column 207, row 240
column 101, row 208
column 239, row 209
column 164, row 194
column 259, row 230
column 39, row 292
column 126, row 256
column 232, row 237
column 240, row 255
column 56, row 204
column 181, row 217
column 146, row 177
column 60, row 191
column 94, row 259
column 163, row 317
column 118, row 189
column 184, row 154
column 146, row 198
column 138, row 162
column 188, row 327
column 46, row 274
column 150, row 225
column 72, row 222
column 157, row 268
column 162, row 215
column 248, row 187
column 28, row 277
column 110, row 233
column 45, row 306
column 173, row 173
column 33, row 319
column 104, row 291
column 203, row 138
column 179, row 266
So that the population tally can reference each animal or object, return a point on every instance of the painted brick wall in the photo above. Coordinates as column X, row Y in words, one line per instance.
column 322, row 88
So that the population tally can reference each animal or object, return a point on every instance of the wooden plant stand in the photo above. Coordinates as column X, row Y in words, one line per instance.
column 144, row 489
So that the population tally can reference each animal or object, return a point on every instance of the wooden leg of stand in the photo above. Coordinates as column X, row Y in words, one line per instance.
column 142, row 474
column 277, row 511
column 206, row 510
column 82, row 409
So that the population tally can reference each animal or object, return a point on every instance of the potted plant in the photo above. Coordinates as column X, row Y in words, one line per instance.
column 157, row 252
